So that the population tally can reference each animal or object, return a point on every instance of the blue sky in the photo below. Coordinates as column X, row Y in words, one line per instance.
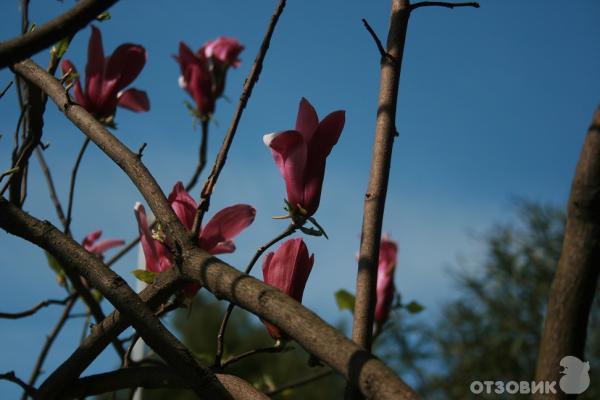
column 494, row 103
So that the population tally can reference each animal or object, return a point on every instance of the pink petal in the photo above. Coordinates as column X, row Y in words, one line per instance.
column 67, row 66
column 156, row 254
column 94, row 69
column 307, row 120
column 223, row 247
column 122, row 67
column 134, row 100
column 106, row 245
column 90, row 239
column 224, row 226
column 327, row 134
column 290, row 153
column 223, row 49
column 183, row 204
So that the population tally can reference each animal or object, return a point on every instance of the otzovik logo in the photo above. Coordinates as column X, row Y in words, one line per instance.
column 575, row 380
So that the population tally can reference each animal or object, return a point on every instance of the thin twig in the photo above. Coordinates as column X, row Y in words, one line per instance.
column 278, row 348
column 11, row 377
column 36, row 308
column 49, row 340
column 299, row 382
column 51, row 188
column 6, row 89
column 86, row 142
column 442, row 4
column 251, row 80
column 77, row 18
column 221, row 335
column 201, row 157
column 384, row 54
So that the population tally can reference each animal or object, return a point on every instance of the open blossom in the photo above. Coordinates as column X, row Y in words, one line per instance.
column 91, row 243
column 300, row 155
column 215, row 237
column 388, row 258
column 106, row 77
column 203, row 73
column 287, row 269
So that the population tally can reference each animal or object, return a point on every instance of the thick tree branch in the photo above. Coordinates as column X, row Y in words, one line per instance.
column 25, row 46
column 576, row 278
column 73, row 257
column 153, row 378
column 385, row 130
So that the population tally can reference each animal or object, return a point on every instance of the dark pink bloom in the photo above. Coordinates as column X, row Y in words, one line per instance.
column 287, row 269
column 106, row 77
column 91, row 244
column 215, row 238
column 224, row 50
column 196, row 79
column 203, row 73
column 388, row 258
column 301, row 154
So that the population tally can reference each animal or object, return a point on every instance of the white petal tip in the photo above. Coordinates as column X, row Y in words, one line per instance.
column 268, row 138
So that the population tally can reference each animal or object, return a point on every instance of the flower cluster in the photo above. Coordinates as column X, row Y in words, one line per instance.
column 107, row 77
column 215, row 238
column 203, row 73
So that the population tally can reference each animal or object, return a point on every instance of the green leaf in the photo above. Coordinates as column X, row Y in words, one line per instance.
column 60, row 48
column 58, row 270
column 413, row 307
column 345, row 300
column 311, row 231
column 105, row 16
column 144, row 276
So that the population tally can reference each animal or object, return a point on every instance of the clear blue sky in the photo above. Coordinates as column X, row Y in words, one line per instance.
column 494, row 103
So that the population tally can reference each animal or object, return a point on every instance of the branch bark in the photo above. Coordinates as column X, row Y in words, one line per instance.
column 385, row 131
column 574, row 284
column 25, row 46
column 153, row 378
column 76, row 259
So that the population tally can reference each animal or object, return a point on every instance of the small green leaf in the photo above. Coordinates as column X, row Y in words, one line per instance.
column 311, row 231
column 32, row 27
column 345, row 300
column 60, row 48
column 58, row 270
column 105, row 16
column 413, row 307
column 144, row 276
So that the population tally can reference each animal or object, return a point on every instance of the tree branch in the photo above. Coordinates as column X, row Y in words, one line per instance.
column 11, row 377
column 153, row 378
column 576, row 278
column 442, row 4
column 76, row 259
column 36, row 308
column 378, row 180
column 299, row 382
column 25, row 46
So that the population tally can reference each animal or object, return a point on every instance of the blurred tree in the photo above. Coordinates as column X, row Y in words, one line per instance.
column 491, row 331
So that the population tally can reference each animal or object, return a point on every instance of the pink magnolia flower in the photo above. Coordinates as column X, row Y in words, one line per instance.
column 224, row 50
column 287, row 269
column 388, row 256
column 300, row 155
column 91, row 244
column 203, row 73
column 106, row 77
column 215, row 237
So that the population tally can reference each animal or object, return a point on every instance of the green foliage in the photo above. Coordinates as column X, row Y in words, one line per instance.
column 345, row 300
column 491, row 331
column 144, row 276
column 53, row 263
column 414, row 307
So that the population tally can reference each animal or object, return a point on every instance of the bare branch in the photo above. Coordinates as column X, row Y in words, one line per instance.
column 576, row 278
column 201, row 157
column 11, row 377
column 442, row 4
column 25, row 46
column 6, row 89
column 299, row 382
column 153, row 378
column 74, row 171
column 51, row 187
column 36, row 308
column 251, row 80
